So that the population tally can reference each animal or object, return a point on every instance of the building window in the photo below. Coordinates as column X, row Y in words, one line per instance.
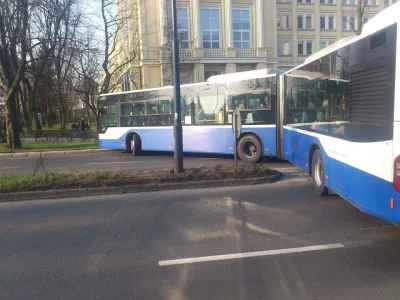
column 325, row 43
column 126, row 81
column 283, row 1
column 211, row 28
column 349, row 2
column 305, row 47
column 328, row 22
column 389, row 2
column 209, row 73
column 284, row 47
column 349, row 23
column 183, row 26
column 327, row 1
column 372, row 2
column 305, row 21
column 305, row 1
column 241, row 28
column 365, row 19
column 284, row 20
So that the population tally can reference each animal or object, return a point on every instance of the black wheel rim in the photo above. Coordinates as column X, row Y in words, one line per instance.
column 250, row 149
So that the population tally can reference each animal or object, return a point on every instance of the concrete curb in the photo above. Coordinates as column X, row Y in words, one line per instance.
column 49, row 153
column 155, row 187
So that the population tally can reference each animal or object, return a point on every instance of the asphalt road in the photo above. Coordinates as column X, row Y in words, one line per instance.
column 111, row 247
column 111, row 160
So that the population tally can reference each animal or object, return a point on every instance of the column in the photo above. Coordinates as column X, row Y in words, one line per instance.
column 260, row 24
column 198, row 73
column 317, row 26
column 228, row 24
column 230, row 68
column 197, row 36
column 162, row 10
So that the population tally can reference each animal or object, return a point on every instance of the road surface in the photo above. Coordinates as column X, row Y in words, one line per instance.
column 277, row 241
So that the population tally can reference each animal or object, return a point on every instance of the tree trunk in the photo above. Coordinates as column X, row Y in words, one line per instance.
column 12, row 126
column 63, row 113
column 88, row 115
column 27, row 117
column 359, row 17
column 18, row 107
column 30, row 96
column 98, row 121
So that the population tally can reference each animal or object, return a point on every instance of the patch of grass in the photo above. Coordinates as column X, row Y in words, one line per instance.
column 106, row 178
column 39, row 146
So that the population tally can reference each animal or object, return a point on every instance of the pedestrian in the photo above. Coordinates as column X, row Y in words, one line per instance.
column 87, row 127
column 83, row 124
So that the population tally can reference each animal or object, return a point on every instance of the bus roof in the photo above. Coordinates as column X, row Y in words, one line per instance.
column 228, row 78
column 385, row 18
column 155, row 89
column 244, row 75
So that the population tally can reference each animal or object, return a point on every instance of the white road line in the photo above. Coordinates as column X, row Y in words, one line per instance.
column 4, row 168
column 113, row 163
column 247, row 254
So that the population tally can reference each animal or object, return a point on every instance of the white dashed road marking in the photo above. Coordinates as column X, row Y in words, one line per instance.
column 248, row 254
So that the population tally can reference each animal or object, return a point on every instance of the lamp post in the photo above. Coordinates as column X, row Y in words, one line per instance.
column 178, row 143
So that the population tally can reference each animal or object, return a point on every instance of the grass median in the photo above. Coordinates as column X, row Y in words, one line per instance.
column 50, row 146
column 106, row 178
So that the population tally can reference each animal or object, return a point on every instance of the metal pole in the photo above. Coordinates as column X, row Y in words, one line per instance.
column 178, row 143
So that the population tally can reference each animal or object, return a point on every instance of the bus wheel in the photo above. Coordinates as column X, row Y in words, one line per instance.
column 249, row 149
column 318, row 173
column 136, row 146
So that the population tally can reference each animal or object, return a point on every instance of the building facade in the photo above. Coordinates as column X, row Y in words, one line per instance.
column 307, row 26
column 226, row 36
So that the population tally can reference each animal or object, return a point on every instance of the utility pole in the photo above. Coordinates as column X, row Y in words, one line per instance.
column 178, row 143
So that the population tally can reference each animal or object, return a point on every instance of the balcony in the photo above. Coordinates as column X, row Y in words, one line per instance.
column 185, row 53
column 246, row 53
column 214, row 53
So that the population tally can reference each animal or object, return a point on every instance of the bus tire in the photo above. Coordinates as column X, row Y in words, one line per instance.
column 249, row 148
column 129, row 143
column 136, row 145
column 318, row 173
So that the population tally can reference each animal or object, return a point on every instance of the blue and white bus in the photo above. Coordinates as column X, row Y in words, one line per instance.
column 142, row 120
column 339, row 119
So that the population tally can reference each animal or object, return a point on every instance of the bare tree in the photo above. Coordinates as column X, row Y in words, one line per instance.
column 357, row 24
column 121, row 39
column 14, row 18
column 87, row 75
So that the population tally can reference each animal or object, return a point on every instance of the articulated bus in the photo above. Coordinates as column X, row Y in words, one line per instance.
column 339, row 117
column 143, row 120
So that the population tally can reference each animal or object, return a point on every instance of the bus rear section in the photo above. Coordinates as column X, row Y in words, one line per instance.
column 342, row 112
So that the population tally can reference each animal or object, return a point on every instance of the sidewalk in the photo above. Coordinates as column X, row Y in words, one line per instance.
column 49, row 153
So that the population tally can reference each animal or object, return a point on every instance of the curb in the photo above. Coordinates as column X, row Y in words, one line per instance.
column 49, row 153
column 155, row 187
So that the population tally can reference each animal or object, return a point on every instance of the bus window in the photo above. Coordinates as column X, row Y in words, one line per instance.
column 312, row 95
column 126, row 109
column 132, row 121
column 158, row 107
column 138, row 109
column 237, row 101
column 209, row 110
column 186, row 111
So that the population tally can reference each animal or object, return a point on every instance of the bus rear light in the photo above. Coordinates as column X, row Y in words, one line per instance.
column 396, row 174
column 391, row 203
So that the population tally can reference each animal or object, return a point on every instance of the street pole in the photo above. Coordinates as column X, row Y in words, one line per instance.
column 178, row 143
